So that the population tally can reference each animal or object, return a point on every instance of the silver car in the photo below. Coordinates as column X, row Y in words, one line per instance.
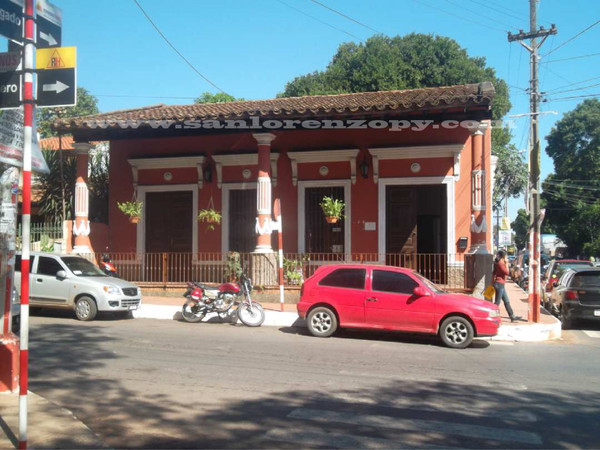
column 73, row 282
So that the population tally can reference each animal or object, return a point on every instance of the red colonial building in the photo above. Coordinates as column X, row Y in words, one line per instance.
column 413, row 167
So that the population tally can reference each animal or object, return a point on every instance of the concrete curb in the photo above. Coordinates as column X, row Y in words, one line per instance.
column 525, row 332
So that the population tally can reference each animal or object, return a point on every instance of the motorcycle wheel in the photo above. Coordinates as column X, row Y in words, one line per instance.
column 191, row 312
column 251, row 316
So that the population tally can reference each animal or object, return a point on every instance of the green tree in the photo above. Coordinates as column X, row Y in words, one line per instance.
column 98, row 184
column 417, row 61
column 50, row 188
column 520, row 227
column 86, row 104
column 571, row 193
column 219, row 97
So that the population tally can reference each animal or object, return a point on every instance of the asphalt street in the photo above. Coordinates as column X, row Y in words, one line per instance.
column 147, row 383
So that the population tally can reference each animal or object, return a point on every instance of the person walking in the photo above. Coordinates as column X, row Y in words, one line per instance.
column 499, row 279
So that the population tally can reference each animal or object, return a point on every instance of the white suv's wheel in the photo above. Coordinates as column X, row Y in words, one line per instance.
column 85, row 309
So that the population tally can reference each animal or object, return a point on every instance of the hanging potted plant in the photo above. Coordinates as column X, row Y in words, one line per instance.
column 210, row 216
column 332, row 209
column 132, row 209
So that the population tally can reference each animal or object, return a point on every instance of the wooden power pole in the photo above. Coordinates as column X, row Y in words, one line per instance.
column 536, row 217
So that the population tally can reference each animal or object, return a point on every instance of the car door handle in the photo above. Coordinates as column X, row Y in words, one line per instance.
column 372, row 299
column 39, row 280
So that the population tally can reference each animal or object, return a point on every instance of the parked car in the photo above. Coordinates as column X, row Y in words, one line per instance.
column 73, row 282
column 15, row 313
column 577, row 295
column 552, row 274
column 392, row 298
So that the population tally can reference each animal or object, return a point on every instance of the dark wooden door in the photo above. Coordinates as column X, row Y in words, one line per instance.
column 169, row 222
column 401, row 220
column 242, row 220
column 320, row 236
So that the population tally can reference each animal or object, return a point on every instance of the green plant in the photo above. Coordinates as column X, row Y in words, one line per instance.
column 233, row 266
column 131, row 209
column 292, row 270
column 210, row 216
column 46, row 244
column 332, row 207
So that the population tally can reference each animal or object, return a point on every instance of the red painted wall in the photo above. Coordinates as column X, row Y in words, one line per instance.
column 364, row 192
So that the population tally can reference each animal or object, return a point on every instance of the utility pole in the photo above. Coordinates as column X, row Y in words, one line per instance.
column 536, row 217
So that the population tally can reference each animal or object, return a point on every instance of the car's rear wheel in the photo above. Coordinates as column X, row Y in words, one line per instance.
column 85, row 309
column 456, row 332
column 322, row 322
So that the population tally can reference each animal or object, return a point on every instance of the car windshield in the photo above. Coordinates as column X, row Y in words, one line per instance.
column 431, row 285
column 82, row 267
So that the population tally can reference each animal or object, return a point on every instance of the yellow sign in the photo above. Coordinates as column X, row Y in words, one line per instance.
column 56, row 58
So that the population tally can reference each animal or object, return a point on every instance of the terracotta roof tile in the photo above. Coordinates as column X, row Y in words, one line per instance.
column 52, row 143
column 315, row 105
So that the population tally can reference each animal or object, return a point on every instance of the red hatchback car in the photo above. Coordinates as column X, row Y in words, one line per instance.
column 392, row 298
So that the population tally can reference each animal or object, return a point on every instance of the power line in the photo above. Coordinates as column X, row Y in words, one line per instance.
column 480, row 14
column 571, row 58
column 571, row 84
column 502, row 11
column 566, row 186
column 572, row 98
column 486, row 25
column 520, row 14
column 576, row 89
column 175, row 50
column 574, row 37
column 345, row 16
column 318, row 20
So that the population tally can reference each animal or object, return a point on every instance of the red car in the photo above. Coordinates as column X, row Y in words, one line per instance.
column 392, row 298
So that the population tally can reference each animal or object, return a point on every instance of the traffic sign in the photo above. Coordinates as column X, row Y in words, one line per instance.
column 10, row 90
column 10, row 61
column 57, row 87
column 11, row 19
column 56, row 58
column 49, row 25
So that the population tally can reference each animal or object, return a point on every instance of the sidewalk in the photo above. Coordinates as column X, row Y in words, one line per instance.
column 49, row 425
column 157, row 307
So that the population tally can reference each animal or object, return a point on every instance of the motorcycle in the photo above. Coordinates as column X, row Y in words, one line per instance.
column 203, row 299
column 108, row 267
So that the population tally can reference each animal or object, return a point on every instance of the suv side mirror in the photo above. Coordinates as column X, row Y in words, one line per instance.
column 61, row 274
column 420, row 291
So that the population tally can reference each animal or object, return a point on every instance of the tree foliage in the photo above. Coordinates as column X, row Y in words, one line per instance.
column 98, row 184
column 49, row 187
column 520, row 227
column 86, row 104
column 219, row 97
column 571, row 193
column 418, row 61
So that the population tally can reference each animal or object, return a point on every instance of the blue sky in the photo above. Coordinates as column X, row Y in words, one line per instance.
column 250, row 49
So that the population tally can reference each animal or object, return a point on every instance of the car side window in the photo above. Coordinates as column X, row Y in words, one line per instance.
column 387, row 281
column 346, row 278
column 18, row 262
column 48, row 266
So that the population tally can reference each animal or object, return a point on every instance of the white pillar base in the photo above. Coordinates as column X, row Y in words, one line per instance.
column 81, row 249
column 263, row 249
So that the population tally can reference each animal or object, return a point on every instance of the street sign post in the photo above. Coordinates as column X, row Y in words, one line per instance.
column 11, row 19
column 57, row 76
column 10, row 61
column 49, row 25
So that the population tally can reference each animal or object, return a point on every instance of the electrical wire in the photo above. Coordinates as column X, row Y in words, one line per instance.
column 486, row 25
column 574, row 37
column 490, row 6
column 576, row 89
column 572, row 84
column 319, row 20
column 571, row 58
column 175, row 49
column 561, row 196
column 575, row 97
column 345, row 16
column 566, row 186
column 573, row 195
column 480, row 14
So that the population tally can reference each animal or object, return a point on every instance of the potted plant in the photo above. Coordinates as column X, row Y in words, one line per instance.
column 132, row 209
column 332, row 209
column 210, row 216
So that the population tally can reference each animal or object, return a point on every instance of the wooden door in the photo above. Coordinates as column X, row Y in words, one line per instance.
column 320, row 236
column 401, row 220
column 242, row 220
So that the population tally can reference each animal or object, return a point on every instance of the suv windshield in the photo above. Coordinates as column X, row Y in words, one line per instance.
column 82, row 267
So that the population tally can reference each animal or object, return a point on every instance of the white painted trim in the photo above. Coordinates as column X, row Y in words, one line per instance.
column 141, row 226
column 417, row 152
column 138, row 164
column 225, row 210
column 346, row 184
column 243, row 159
column 314, row 156
column 414, row 181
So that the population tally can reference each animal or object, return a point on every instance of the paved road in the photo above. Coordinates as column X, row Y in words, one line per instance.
column 163, row 384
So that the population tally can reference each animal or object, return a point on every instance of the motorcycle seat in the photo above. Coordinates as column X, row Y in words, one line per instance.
column 206, row 287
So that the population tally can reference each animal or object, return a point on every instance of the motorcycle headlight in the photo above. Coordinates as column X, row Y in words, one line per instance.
column 111, row 289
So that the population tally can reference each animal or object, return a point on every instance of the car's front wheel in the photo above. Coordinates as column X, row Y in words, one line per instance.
column 322, row 322
column 456, row 332
column 85, row 309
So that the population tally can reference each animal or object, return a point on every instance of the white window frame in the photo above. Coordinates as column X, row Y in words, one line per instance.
column 448, row 181
column 141, row 228
column 225, row 191
column 346, row 184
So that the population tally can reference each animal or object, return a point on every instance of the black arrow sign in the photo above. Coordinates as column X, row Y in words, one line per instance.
column 10, row 90
column 57, row 87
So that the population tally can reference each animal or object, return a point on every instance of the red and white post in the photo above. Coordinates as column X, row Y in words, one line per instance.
column 277, row 214
column 28, row 101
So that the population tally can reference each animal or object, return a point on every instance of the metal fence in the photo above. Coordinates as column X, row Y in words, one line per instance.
column 42, row 235
column 175, row 269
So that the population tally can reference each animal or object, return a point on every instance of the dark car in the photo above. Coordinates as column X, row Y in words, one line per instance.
column 392, row 298
column 553, row 272
column 577, row 295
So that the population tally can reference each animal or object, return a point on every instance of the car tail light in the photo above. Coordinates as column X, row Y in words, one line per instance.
column 572, row 295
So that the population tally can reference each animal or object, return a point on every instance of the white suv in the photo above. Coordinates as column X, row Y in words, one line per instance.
column 73, row 282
